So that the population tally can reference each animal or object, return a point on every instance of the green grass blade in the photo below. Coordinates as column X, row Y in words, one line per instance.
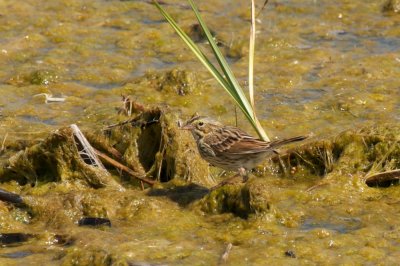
column 199, row 54
column 196, row 50
column 244, row 104
column 227, row 80
column 252, row 42
column 251, row 56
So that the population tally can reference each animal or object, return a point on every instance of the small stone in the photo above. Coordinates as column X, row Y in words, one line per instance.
column 290, row 254
column 13, row 238
column 94, row 221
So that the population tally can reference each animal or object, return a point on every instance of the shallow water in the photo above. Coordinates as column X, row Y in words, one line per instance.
column 321, row 68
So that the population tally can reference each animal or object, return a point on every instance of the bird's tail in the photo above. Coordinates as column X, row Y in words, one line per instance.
column 278, row 143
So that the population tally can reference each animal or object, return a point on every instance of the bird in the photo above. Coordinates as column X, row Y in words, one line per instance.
column 229, row 147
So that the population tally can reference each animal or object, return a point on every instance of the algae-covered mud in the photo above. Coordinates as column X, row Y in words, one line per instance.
column 118, row 71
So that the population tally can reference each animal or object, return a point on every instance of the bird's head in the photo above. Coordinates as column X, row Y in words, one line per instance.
column 200, row 126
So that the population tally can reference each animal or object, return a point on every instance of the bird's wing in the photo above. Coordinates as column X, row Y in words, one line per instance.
column 277, row 143
column 249, row 146
column 206, row 149
column 235, row 141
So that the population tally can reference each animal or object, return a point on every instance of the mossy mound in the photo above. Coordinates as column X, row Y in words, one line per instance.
column 35, row 77
column 391, row 6
column 56, row 159
column 239, row 199
column 175, row 81
column 150, row 143
column 362, row 152
column 196, row 33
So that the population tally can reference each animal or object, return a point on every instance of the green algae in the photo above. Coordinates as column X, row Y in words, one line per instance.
column 360, row 152
column 59, row 203
column 176, row 81
column 152, row 144
column 240, row 200
column 196, row 33
column 391, row 6
column 56, row 159
column 42, row 77
column 36, row 77
column 237, row 49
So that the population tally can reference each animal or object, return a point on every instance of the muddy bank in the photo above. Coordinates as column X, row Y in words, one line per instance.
column 50, row 184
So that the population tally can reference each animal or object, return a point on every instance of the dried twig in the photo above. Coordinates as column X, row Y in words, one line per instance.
column 319, row 185
column 86, row 151
column 259, row 12
column 114, row 152
column 225, row 255
column 3, row 143
column 49, row 98
column 134, row 122
column 130, row 106
column 124, row 168
column 382, row 178
column 10, row 197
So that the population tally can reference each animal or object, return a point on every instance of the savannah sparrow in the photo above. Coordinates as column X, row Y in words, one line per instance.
column 230, row 148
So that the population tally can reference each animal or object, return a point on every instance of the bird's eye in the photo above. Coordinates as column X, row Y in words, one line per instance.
column 201, row 123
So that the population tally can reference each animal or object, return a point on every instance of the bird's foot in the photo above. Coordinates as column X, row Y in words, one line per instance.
column 243, row 174
column 234, row 179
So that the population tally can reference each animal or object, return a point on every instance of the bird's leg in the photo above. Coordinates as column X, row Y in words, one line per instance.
column 243, row 173
column 229, row 180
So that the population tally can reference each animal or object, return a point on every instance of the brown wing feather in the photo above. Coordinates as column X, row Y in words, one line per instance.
column 249, row 146
column 235, row 141
column 221, row 140
column 277, row 143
